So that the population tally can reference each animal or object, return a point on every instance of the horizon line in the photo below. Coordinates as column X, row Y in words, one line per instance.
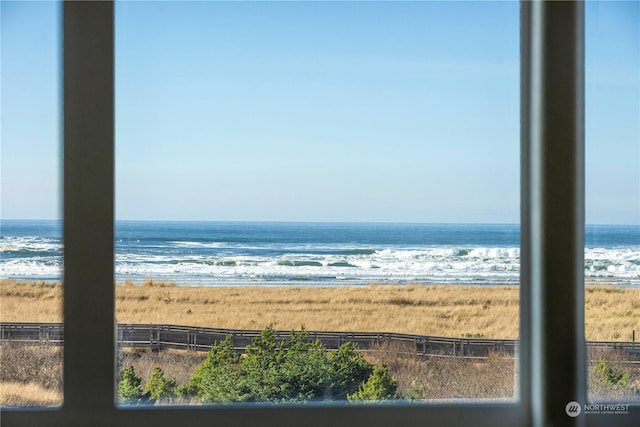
column 256, row 221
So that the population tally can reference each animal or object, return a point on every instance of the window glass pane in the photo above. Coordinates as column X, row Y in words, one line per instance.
column 30, row 219
column 612, row 252
column 349, row 168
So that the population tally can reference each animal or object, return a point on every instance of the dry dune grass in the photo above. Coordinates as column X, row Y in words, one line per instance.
column 410, row 309
column 612, row 313
column 30, row 375
column 446, row 377
column 28, row 394
column 30, row 301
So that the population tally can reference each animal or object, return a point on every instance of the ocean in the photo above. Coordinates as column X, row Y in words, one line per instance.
column 320, row 254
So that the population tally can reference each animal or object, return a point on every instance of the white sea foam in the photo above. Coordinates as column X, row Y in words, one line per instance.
column 622, row 264
column 482, row 265
column 200, row 245
column 33, row 257
column 31, row 268
column 29, row 244
column 442, row 265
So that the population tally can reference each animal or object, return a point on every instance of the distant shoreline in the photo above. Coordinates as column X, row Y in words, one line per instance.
column 309, row 283
column 255, row 221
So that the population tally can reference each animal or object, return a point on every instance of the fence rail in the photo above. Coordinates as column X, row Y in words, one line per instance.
column 195, row 338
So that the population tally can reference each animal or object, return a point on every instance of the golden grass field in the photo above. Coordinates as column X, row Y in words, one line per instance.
column 612, row 313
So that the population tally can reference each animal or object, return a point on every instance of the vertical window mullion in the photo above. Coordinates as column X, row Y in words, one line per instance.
column 88, row 50
column 524, row 344
column 554, row 223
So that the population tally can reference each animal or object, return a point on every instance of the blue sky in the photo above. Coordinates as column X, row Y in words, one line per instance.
column 300, row 111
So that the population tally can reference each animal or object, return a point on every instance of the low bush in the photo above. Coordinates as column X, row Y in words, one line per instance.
column 295, row 369
column 379, row 386
column 159, row 386
column 609, row 376
column 129, row 387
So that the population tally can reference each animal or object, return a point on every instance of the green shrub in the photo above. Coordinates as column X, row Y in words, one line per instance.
column 223, row 385
column 380, row 385
column 609, row 376
column 218, row 363
column 296, row 369
column 416, row 390
column 290, row 370
column 129, row 386
column 349, row 370
column 159, row 386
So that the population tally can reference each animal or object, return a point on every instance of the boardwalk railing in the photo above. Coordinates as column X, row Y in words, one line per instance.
column 194, row 338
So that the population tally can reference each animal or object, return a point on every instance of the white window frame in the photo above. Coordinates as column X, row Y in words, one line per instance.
column 551, row 365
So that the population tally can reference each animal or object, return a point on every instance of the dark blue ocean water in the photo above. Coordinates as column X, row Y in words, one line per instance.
column 214, row 253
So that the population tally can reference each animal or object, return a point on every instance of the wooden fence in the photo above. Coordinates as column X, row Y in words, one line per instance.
column 194, row 338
